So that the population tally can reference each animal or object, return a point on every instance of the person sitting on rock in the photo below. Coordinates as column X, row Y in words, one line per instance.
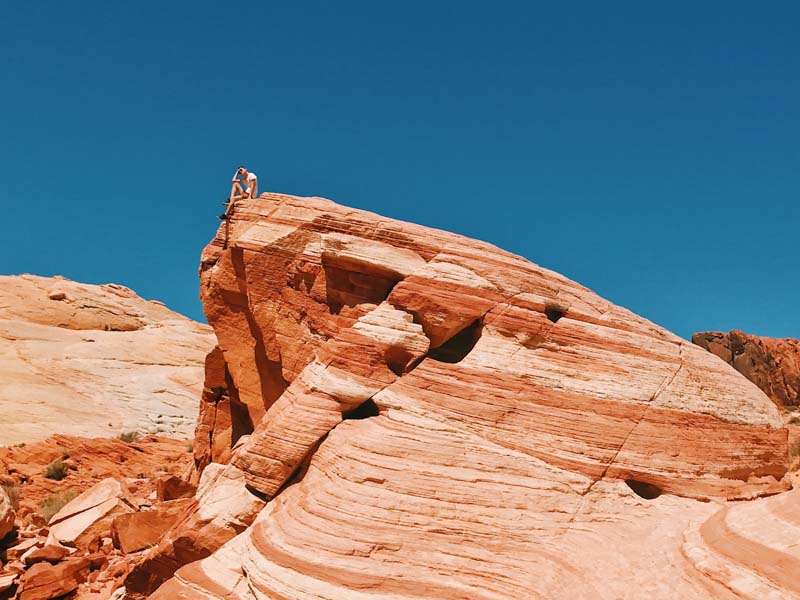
column 241, row 189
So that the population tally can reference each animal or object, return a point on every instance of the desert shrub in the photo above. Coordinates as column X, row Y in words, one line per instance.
column 129, row 436
column 56, row 470
column 54, row 503
column 794, row 421
column 190, row 447
column 12, row 492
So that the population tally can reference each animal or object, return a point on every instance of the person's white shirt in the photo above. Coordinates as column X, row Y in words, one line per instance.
column 251, row 184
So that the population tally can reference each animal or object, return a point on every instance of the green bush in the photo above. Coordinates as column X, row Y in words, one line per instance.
column 54, row 503
column 12, row 492
column 129, row 436
column 56, row 470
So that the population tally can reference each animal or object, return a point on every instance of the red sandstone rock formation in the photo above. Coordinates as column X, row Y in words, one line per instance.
column 773, row 364
column 94, row 361
column 46, row 560
column 431, row 417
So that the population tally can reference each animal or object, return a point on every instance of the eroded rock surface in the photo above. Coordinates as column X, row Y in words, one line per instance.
column 773, row 364
column 429, row 416
column 7, row 514
column 94, row 360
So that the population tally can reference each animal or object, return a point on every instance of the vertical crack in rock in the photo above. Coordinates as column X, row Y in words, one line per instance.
column 664, row 385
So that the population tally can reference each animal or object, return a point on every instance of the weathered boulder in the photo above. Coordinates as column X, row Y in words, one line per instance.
column 136, row 531
column 94, row 361
column 89, row 516
column 18, row 550
column 51, row 553
column 44, row 581
column 7, row 580
column 773, row 364
column 7, row 514
column 432, row 417
column 170, row 487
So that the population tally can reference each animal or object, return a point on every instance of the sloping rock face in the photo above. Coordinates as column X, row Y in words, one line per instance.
column 773, row 364
column 432, row 417
column 94, row 360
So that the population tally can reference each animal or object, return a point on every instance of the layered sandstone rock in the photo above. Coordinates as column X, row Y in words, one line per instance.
column 773, row 364
column 94, row 360
column 432, row 417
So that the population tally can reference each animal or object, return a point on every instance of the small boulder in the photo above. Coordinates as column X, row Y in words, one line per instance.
column 16, row 552
column 44, row 581
column 171, row 487
column 89, row 516
column 51, row 553
column 136, row 531
column 7, row 580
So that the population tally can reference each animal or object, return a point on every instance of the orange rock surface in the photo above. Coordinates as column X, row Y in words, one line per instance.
column 94, row 360
column 7, row 514
column 429, row 416
column 88, row 462
column 773, row 364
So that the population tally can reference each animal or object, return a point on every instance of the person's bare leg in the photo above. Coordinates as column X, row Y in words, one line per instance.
column 237, row 193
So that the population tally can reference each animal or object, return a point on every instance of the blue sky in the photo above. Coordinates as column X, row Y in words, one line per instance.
column 648, row 150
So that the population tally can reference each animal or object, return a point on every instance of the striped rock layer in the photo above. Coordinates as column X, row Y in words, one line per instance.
column 428, row 416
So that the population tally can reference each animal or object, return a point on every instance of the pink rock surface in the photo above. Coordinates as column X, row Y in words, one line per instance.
column 432, row 417
column 94, row 360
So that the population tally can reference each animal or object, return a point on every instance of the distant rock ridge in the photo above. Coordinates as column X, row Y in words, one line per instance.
column 773, row 364
column 94, row 360
column 404, row 412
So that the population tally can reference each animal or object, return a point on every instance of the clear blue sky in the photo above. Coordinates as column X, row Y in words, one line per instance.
column 651, row 151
